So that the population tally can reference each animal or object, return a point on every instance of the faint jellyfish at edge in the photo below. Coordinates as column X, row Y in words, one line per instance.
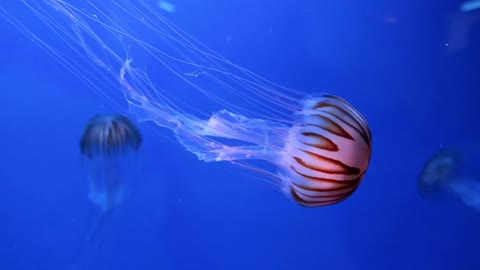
column 453, row 171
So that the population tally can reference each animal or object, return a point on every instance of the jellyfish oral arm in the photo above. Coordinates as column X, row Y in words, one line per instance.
column 202, row 137
column 253, row 138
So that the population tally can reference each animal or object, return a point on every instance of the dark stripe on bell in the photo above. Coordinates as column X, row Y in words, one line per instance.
column 337, row 187
column 340, row 183
column 323, row 197
column 332, row 127
column 313, row 203
column 324, row 142
column 359, row 128
column 366, row 136
column 320, row 160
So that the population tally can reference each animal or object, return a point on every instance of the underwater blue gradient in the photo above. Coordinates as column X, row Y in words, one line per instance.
column 388, row 58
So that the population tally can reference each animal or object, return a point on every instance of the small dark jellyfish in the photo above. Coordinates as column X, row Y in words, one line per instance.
column 453, row 170
column 109, row 143
column 109, row 146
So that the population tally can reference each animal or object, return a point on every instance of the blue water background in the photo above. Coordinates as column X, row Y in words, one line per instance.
column 187, row 214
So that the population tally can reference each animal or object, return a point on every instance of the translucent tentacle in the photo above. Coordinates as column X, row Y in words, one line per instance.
column 247, row 138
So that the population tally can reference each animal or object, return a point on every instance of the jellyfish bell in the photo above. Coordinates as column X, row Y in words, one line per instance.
column 107, row 135
column 319, row 146
column 438, row 171
column 453, row 171
column 326, row 152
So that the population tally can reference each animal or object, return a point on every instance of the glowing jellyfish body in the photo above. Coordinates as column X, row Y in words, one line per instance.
column 453, row 170
column 320, row 145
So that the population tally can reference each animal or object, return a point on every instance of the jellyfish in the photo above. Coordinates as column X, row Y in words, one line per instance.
column 107, row 144
column 108, row 147
column 453, row 171
column 314, row 148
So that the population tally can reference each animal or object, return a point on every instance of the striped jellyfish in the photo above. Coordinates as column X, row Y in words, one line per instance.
column 320, row 159
column 327, row 152
column 109, row 146
column 313, row 148
column 453, row 171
